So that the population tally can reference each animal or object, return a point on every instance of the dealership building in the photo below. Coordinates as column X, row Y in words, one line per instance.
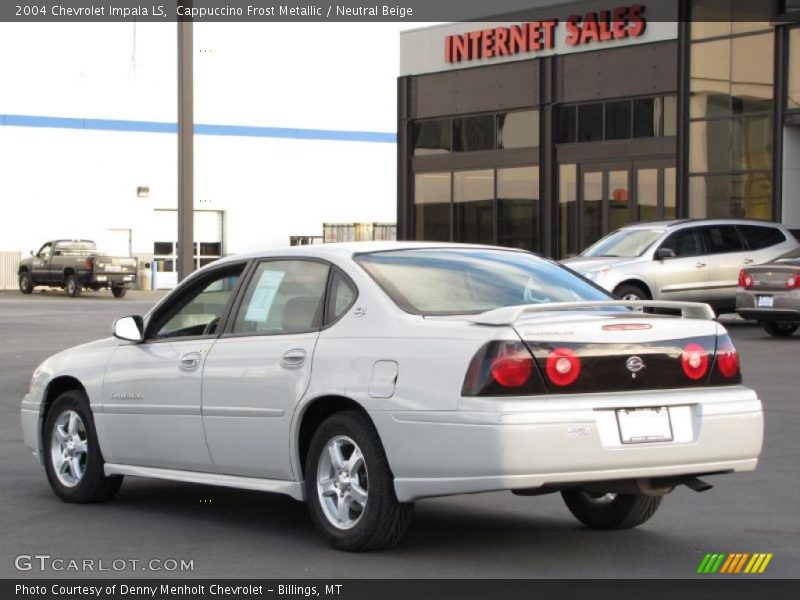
column 550, row 129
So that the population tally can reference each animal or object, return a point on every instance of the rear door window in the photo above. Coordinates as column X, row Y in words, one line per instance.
column 759, row 237
column 721, row 239
column 283, row 297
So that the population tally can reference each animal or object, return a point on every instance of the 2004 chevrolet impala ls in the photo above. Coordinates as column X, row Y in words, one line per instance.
column 363, row 377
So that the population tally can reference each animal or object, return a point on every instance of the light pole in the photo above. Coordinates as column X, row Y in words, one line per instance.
column 185, row 148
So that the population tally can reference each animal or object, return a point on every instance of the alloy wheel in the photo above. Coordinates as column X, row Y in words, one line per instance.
column 69, row 448
column 342, row 482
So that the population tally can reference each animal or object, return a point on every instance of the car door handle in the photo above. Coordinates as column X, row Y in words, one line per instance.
column 190, row 360
column 699, row 265
column 293, row 358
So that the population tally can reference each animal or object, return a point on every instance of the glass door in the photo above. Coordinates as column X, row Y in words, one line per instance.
column 605, row 200
column 656, row 190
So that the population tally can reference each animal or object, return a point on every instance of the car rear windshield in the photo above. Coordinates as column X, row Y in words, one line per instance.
column 75, row 248
column 792, row 256
column 467, row 281
column 626, row 243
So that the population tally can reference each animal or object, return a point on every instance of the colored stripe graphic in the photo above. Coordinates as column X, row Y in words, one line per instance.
column 734, row 563
column 378, row 137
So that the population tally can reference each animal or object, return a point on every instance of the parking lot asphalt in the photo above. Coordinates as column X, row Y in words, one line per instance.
column 232, row 533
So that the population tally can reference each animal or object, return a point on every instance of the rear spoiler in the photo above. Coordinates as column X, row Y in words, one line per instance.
column 508, row 315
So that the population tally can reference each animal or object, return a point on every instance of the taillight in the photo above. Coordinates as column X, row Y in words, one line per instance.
column 512, row 369
column 793, row 281
column 727, row 362
column 563, row 367
column 745, row 280
column 502, row 369
column 89, row 263
column 694, row 361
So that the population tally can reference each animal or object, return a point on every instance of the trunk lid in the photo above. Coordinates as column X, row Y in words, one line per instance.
column 772, row 276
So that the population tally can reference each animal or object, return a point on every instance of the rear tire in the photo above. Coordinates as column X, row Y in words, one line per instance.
column 25, row 282
column 610, row 511
column 119, row 291
column 72, row 286
column 72, row 457
column 779, row 329
column 353, row 505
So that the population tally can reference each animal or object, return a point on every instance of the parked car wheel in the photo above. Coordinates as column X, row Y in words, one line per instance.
column 630, row 292
column 779, row 329
column 72, row 287
column 610, row 511
column 350, row 488
column 25, row 282
column 72, row 456
column 119, row 291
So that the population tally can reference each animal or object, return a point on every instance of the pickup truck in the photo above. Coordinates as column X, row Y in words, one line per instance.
column 74, row 265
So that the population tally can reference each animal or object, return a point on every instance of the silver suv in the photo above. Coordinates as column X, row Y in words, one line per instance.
column 694, row 260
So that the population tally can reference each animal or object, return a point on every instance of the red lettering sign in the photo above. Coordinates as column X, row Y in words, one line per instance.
column 607, row 25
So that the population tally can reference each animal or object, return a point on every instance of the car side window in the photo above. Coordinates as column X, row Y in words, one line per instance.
column 721, row 239
column 683, row 243
column 198, row 311
column 283, row 297
column 759, row 237
column 44, row 251
column 341, row 297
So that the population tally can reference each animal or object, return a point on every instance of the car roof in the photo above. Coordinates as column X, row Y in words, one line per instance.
column 682, row 223
column 342, row 249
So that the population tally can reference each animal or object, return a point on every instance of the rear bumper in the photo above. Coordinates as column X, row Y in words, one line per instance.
column 105, row 279
column 785, row 306
column 569, row 440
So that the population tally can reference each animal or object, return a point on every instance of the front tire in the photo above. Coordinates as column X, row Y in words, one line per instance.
column 119, row 291
column 610, row 511
column 72, row 457
column 631, row 292
column 25, row 282
column 779, row 329
column 72, row 286
column 350, row 488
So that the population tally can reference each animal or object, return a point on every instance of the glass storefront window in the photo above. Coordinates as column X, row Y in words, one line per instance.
column 752, row 143
column 567, row 125
column 432, row 206
column 645, row 117
column 745, row 195
column 618, row 120
column 592, row 208
column 473, row 133
column 618, row 200
column 518, row 129
column 473, row 203
column 670, row 111
column 710, row 148
column 732, row 76
column 670, row 192
column 590, row 122
column 793, row 92
column 567, row 208
column 716, row 18
column 432, row 137
column 647, row 194
column 518, row 208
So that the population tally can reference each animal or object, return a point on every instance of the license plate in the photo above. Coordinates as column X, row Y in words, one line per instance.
column 644, row 425
column 764, row 301
column 102, row 278
column 127, row 278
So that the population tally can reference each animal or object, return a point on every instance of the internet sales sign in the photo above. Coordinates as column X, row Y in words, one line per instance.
column 579, row 30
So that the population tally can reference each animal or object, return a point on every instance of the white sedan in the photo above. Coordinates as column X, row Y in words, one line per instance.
column 363, row 377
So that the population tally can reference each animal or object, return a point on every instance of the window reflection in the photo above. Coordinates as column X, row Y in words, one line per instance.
column 518, row 129
column 432, row 206
column 473, row 203
column 473, row 133
column 518, row 208
column 647, row 194
column 432, row 137
column 592, row 208
column 567, row 208
column 793, row 102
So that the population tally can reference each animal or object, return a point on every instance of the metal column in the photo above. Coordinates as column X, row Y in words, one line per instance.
column 185, row 150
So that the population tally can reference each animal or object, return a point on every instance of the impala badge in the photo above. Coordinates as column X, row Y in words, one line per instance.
column 634, row 365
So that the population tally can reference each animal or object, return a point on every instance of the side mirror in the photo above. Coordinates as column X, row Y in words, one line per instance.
column 665, row 253
column 130, row 329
